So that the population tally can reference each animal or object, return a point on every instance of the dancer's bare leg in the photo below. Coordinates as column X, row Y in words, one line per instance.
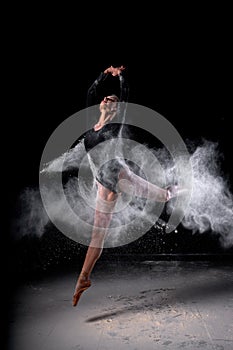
column 105, row 204
column 106, row 201
column 130, row 182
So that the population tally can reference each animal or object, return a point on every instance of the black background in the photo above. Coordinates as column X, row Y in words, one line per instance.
column 180, row 66
column 185, row 79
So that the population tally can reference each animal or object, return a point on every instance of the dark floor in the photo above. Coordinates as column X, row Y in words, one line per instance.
column 136, row 305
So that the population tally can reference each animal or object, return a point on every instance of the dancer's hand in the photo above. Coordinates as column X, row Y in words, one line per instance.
column 114, row 70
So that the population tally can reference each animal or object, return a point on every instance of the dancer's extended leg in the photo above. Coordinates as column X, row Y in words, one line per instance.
column 131, row 183
column 105, row 204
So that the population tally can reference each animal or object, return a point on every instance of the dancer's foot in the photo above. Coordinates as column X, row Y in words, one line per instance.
column 82, row 284
column 174, row 191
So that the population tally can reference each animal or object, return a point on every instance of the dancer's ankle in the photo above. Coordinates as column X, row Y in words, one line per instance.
column 83, row 276
column 174, row 191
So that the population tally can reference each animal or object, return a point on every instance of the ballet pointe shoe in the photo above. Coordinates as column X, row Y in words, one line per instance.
column 81, row 286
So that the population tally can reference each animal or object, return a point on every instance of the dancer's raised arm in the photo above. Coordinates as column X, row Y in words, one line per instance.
column 115, row 72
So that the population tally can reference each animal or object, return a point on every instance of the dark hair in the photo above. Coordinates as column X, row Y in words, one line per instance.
column 115, row 96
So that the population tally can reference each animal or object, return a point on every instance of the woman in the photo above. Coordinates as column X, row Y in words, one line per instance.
column 114, row 176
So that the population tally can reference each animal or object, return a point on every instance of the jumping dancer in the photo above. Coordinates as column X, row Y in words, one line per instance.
column 114, row 176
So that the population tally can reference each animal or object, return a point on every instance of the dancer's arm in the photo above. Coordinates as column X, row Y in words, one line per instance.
column 92, row 91
column 114, row 71
column 124, row 89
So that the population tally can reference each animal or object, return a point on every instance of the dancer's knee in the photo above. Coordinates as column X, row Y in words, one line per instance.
column 97, row 241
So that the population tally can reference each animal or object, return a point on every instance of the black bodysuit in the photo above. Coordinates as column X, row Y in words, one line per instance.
column 107, row 173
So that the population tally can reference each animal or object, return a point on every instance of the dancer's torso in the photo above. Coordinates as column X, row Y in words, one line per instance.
column 104, row 149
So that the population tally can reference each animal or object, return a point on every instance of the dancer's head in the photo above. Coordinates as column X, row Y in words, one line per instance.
column 109, row 105
column 108, row 109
